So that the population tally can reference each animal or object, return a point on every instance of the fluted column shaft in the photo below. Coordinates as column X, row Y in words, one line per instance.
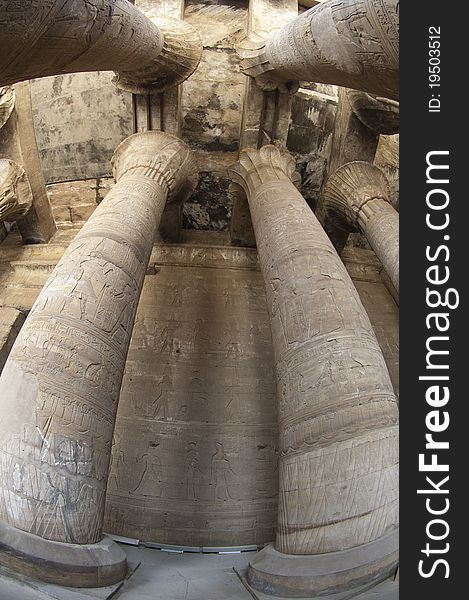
column 60, row 386
column 357, row 196
column 351, row 44
column 46, row 37
column 337, row 409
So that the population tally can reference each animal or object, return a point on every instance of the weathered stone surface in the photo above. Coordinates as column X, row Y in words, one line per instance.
column 7, row 104
column 92, row 565
column 337, row 409
column 351, row 140
column 310, row 137
column 194, row 457
column 355, row 45
column 79, row 120
column 11, row 321
column 294, row 576
column 204, row 209
column 18, row 144
column 381, row 115
column 65, row 369
column 17, row 202
column 74, row 202
column 387, row 159
column 16, row 198
column 357, row 195
column 48, row 38
column 180, row 54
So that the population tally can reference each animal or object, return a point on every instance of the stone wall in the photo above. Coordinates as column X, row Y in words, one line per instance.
column 195, row 447
column 79, row 119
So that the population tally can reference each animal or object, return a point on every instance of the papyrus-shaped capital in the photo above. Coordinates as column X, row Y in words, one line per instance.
column 351, row 187
column 256, row 167
column 159, row 156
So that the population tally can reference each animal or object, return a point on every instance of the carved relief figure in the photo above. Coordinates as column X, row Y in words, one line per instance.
column 192, row 470
column 149, row 483
column 220, row 473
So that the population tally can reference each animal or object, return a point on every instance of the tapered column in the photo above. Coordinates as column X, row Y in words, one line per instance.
column 337, row 524
column 357, row 195
column 60, row 385
column 46, row 37
column 353, row 44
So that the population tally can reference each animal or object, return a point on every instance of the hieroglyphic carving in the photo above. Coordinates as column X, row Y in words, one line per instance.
column 42, row 37
column 199, row 383
column 337, row 409
column 60, row 386
column 352, row 44
column 357, row 194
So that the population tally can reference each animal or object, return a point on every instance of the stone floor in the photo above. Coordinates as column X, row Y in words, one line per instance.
column 159, row 575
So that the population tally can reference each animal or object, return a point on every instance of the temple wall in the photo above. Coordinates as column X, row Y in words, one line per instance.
column 195, row 450
column 79, row 120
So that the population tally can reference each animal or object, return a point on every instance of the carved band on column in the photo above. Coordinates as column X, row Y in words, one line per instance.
column 357, row 195
column 338, row 470
column 351, row 44
column 45, row 37
column 60, row 385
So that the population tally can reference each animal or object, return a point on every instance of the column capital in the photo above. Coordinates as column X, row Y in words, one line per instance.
column 7, row 103
column 257, row 167
column 351, row 44
column 16, row 198
column 350, row 188
column 179, row 58
column 255, row 63
column 159, row 156
column 381, row 115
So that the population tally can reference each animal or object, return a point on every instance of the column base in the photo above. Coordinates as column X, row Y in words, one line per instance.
column 306, row 576
column 75, row 565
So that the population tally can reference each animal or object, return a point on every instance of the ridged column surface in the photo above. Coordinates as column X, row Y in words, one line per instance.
column 338, row 433
column 357, row 196
column 45, row 37
column 351, row 44
column 60, row 386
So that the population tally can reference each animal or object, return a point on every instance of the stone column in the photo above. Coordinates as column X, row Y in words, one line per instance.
column 60, row 386
column 351, row 44
column 357, row 195
column 46, row 37
column 338, row 496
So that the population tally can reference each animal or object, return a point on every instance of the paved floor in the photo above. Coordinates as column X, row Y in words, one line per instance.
column 167, row 576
